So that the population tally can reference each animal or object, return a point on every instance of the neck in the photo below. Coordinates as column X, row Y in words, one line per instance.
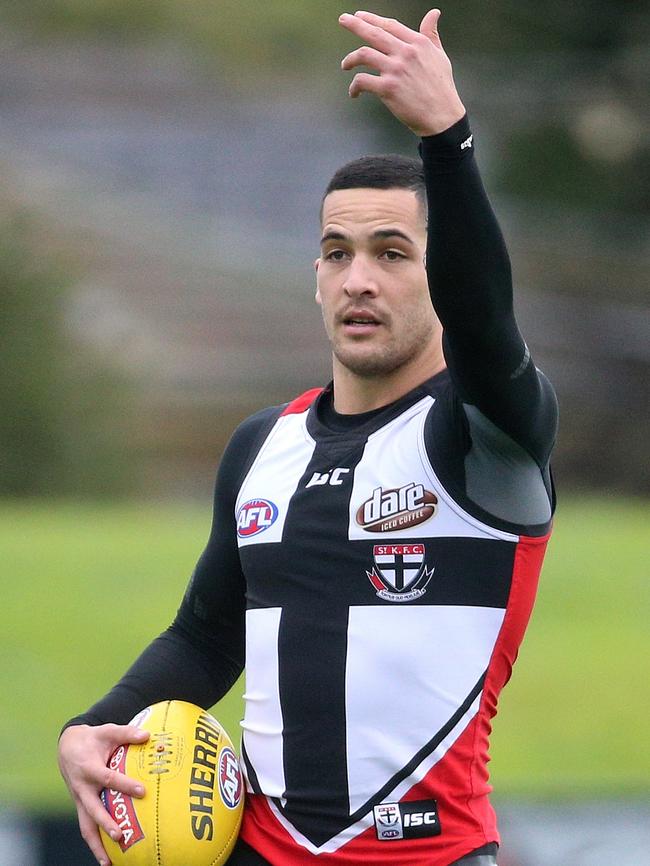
column 354, row 394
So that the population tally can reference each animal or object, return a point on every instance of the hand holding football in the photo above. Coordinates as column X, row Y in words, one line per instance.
column 192, row 809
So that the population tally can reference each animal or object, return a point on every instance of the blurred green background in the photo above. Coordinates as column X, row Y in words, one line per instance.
column 162, row 164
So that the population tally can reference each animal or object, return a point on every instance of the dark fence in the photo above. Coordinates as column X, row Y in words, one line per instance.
column 560, row 833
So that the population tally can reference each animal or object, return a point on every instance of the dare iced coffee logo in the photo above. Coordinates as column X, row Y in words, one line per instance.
column 397, row 508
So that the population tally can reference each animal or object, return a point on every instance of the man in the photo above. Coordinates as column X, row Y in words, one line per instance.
column 381, row 539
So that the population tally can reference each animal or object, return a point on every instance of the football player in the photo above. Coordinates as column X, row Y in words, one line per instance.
column 376, row 543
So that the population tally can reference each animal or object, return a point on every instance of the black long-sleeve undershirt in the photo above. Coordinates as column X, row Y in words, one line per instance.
column 470, row 280
column 200, row 656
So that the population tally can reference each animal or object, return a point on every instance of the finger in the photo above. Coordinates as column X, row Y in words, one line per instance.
column 429, row 26
column 364, row 82
column 365, row 56
column 90, row 835
column 374, row 36
column 93, row 776
column 389, row 25
column 93, row 807
column 121, row 734
column 113, row 780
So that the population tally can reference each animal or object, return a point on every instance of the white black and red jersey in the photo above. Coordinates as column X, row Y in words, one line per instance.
column 375, row 574
column 383, row 615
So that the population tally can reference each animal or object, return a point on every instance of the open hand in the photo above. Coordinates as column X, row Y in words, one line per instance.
column 414, row 79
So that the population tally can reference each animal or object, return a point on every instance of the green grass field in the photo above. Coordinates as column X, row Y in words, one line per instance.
column 85, row 587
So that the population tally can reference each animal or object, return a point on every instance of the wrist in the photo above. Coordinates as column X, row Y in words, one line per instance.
column 446, row 151
column 442, row 121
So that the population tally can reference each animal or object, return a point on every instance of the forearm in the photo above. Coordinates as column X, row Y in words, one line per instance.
column 470, row 280
column 172, row 666
column 202, row 653
column 468, row 266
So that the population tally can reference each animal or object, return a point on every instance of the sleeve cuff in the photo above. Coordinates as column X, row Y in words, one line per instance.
column 86, row 719
column 452, row 145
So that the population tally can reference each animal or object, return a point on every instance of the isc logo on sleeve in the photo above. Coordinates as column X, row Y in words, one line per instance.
column 255, row 516
column 409, row 820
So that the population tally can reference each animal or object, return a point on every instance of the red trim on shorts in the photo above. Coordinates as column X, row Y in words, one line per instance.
column 264, row 833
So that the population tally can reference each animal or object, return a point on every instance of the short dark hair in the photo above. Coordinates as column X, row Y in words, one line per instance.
column 386, row 171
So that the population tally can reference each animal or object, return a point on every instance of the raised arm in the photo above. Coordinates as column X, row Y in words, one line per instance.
column 468, row 266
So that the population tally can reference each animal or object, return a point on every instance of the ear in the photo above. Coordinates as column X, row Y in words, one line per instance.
column 316, row 267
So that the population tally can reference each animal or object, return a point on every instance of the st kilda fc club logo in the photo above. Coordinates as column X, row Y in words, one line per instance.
column 400, row 572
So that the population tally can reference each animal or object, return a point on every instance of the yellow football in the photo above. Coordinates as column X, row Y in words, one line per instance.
column 192, row 809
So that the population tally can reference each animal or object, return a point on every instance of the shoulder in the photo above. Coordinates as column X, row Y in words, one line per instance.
column 240, row 451
column 249, row 436
column 302, row 403
column 251, row 428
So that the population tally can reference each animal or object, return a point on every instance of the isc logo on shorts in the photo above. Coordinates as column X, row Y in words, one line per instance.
column 255, row 516
column 409, row 820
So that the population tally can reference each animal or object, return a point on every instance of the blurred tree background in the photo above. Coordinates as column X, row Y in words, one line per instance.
column 63, row 426
column 113, row 387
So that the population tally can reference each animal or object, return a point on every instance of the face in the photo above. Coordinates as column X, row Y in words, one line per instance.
column 371, row 279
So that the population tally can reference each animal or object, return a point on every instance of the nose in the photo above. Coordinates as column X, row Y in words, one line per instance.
column 359, row 278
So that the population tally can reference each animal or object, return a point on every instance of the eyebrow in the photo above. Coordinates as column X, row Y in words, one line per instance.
column 379, row 234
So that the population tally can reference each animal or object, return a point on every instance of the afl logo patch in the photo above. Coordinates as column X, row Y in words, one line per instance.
column 255, row 516
column 230, row 780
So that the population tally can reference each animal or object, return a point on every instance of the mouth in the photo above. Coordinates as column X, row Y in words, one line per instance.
column 360, row 322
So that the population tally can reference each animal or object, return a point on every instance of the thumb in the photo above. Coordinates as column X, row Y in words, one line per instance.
column 429, row 26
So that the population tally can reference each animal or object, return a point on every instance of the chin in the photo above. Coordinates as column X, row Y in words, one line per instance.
column 371, row 365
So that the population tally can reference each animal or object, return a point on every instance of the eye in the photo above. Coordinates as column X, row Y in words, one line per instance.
column 335, row 256
column 393, row 255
